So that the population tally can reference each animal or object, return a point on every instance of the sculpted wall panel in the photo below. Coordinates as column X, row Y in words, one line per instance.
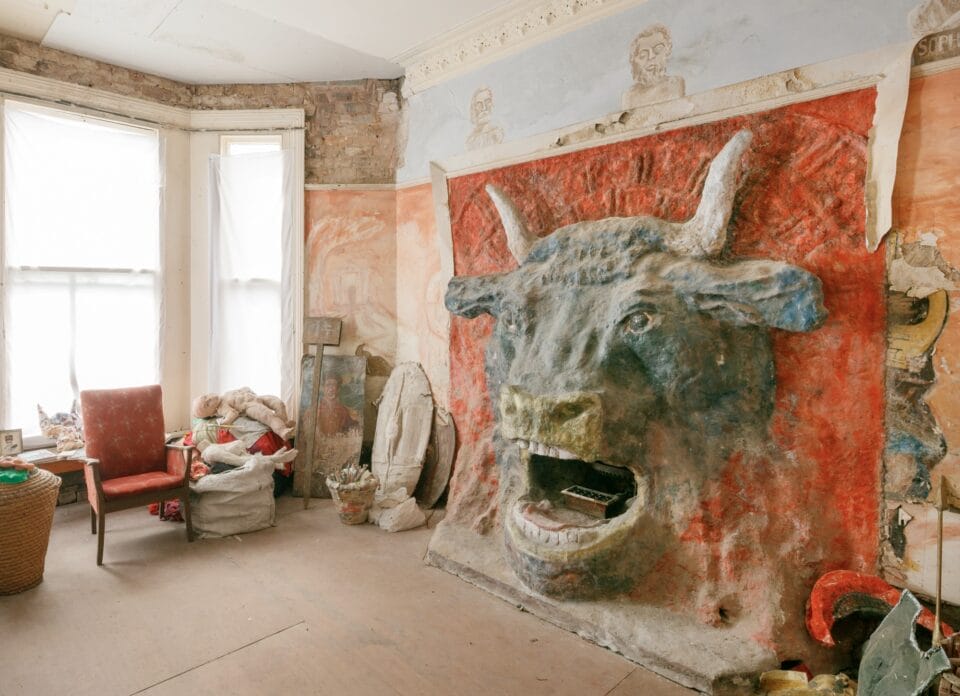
column 753, row 407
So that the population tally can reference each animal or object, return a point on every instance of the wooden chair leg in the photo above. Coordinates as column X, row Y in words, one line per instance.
column 185, row 505
column 93, row 520
column 100, row 525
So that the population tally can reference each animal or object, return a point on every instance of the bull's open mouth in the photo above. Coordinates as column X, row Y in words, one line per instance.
column 573, row 506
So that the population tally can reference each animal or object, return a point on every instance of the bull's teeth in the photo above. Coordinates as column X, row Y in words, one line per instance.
column 546, row 450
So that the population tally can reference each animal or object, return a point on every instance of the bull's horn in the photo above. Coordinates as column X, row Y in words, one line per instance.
column 706, row 232
column 520, row 240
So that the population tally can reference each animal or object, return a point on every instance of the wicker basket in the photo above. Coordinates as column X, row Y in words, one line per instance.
column 26, row 515
column 353, row 500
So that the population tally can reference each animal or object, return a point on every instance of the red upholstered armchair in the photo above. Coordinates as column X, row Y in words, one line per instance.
column 129, row 463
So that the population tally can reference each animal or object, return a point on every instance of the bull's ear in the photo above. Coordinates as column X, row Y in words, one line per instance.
column 761, row 293
column 471, row 296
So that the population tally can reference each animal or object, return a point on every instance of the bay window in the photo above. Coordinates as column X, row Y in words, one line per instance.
column 124, row 259
column 80, row 259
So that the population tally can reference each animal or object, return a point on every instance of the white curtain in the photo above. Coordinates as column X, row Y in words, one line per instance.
column 252, row 280
column 80, row 259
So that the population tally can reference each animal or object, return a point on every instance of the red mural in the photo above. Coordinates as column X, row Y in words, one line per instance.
column 802, row 202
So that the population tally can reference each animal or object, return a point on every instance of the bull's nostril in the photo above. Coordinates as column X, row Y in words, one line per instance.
column 568, row 411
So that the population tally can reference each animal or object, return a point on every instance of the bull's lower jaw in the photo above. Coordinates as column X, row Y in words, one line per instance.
column 564, row 552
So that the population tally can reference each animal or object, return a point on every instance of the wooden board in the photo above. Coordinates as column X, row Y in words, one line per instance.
column 438, row 460
column 317, row 332
column 323, row 331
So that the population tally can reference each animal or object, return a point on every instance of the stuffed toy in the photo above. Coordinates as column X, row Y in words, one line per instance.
column 64, row 427
column 269, row 410
column 204, row 422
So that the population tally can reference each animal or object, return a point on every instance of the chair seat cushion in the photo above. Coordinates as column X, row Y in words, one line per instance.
column 150, row 482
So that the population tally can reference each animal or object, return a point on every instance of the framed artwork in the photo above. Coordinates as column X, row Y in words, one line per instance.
column 339, row 417
column 11, row 442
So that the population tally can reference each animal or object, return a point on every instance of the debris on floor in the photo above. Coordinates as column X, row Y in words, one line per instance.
column 792, row 683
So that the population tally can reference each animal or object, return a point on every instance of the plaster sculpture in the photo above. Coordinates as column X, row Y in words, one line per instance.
column 266, row 409
column 649, row 53
column 933, row 15
column 611, row 333
column 404, row 417
column 485, row 132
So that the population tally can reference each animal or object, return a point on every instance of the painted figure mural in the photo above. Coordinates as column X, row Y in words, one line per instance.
column 649, row 53
column 485, row 132
column 609, row 333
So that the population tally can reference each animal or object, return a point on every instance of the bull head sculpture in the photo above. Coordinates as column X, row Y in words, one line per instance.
column 608, row 330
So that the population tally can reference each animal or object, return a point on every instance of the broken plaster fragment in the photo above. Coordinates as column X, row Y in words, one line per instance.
column 893, row 663
column 917, row 281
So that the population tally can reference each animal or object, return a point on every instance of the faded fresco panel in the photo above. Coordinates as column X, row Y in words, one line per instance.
column 801, row 202
column 423, row 324
column 351, row 266
column 927, row 217
column 926, row 209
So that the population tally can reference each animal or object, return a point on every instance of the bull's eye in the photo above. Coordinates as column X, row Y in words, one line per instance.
column 640, row 322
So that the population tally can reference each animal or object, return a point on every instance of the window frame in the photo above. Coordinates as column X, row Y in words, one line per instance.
column 184, row 139
column 215, row 293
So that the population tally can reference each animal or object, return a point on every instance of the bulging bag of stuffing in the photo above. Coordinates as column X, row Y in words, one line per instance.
column 234, row 502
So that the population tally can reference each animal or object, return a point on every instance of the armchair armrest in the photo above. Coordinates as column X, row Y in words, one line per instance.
column 91, row 477
column 179, row 459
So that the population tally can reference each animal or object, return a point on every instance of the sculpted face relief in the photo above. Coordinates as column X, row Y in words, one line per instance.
column 606, row 328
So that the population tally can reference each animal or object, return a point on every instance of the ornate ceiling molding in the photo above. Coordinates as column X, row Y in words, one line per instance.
column 498, row 34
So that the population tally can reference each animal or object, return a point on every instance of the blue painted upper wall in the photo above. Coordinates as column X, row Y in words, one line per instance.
column 581, row 75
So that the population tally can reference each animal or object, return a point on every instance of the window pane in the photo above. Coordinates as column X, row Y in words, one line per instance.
column 117, row 336
column 249, row 330
column 80, row 192
column 247, row 146
column 38, row 358
column 104, row 324
column 251, row 216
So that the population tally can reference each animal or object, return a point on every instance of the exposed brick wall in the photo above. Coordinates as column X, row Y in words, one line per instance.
column 351, row 127
column 351, row 135
column 32, row 58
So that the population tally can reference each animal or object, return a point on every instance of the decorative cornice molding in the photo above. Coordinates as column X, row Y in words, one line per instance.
column 497, row 34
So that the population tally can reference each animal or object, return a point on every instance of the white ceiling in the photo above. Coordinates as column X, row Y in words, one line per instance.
column 223, row 41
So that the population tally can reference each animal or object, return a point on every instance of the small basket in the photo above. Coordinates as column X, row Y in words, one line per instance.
column 353, row 500
column 26, row 516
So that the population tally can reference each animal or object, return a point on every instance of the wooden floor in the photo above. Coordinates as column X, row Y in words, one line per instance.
column 307, row 607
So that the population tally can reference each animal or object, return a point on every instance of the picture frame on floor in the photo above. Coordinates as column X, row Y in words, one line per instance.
column 11, row 442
